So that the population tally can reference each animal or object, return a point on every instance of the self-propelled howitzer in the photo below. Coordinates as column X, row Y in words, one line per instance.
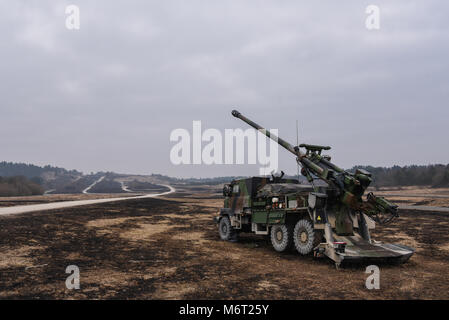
column 348, row 187
column 330, row 218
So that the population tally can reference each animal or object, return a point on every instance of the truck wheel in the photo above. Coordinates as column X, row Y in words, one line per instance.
column 304, row 237
column 281, row 237
column 225, row 229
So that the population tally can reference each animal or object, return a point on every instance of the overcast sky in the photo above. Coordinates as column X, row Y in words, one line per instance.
column 107, row 96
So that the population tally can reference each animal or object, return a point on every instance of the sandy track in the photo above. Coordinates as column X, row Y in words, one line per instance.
column 76, row 203
column 86, row 191
column 424, row 208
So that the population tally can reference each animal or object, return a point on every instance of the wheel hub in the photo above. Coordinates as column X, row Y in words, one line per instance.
column 303, row 237
column 279, row 235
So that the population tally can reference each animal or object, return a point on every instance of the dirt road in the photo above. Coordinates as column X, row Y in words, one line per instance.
column 76, row 203
column 85, row 191
column 169, row 249
column 424, row 208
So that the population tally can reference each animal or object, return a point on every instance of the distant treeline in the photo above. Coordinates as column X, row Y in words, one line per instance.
column 431, row 175
column 428, row 175
column 136, row 185
column 198, row 181
column 19, row 186
column 73, row 181
column 10, row 169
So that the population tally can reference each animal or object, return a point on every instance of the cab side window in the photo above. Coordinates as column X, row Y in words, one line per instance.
column 236, row 189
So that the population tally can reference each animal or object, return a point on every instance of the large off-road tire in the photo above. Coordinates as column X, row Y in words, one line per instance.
column 281, row 237
column 225, row 230
column 305, row 238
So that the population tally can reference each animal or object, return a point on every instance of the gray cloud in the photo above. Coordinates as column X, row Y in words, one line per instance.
column 106, row 97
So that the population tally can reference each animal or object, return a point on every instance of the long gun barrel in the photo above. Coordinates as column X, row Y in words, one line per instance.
column 350, row 186
column 295, row 150
column 282, row 142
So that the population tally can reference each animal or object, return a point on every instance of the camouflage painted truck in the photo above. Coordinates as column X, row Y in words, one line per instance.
column 326, row 215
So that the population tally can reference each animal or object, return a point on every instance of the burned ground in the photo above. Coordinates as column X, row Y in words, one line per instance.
column 170, row 249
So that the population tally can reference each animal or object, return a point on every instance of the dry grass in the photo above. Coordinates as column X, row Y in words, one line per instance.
column 18, row 257
column 170, row 249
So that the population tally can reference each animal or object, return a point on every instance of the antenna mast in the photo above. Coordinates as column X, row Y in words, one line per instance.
column 297, row 143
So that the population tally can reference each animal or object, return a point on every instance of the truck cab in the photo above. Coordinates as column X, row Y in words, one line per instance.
column 271, row 207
